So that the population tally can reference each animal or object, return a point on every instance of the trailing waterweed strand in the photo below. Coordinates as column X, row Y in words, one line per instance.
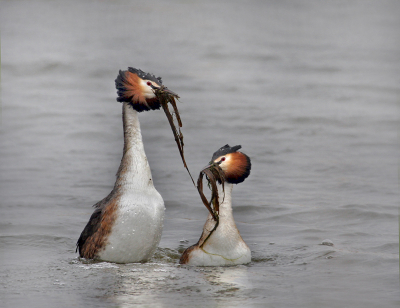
column 165, row 97
column 213, row 174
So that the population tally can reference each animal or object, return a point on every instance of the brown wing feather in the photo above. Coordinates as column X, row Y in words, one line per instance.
column 94, row 235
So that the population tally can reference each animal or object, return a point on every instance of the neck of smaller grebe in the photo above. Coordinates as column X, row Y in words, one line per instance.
column 134, row 170
column 225, row 201
column 226, row 230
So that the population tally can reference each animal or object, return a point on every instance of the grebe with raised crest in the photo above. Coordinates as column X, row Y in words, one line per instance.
column 126, row 226
column 223, row 245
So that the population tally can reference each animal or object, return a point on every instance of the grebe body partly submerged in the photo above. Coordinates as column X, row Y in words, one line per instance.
column 126, row 226
column 223, row 246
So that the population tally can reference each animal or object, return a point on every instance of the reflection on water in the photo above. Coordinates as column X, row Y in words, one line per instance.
column 159, row 285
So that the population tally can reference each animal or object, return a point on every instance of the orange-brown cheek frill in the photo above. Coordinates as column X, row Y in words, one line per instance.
column 237, row 167
column 129, row 89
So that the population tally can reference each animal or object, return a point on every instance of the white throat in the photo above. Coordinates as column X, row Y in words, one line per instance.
column 226, row 228
column 225, row 202
column 134, row 171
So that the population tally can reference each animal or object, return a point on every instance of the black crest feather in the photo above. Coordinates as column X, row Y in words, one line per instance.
column 226, row 149
column 240, row 169
column 145, row 76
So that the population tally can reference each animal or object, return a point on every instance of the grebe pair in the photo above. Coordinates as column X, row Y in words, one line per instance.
column 126, row 226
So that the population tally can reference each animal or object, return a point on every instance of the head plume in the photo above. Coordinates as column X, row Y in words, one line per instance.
column 132, row 88
column 236, row 165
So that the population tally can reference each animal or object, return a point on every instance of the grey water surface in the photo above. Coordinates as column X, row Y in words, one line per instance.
column 310, row 89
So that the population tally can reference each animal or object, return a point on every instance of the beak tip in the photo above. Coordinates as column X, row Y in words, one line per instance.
column 171, row 92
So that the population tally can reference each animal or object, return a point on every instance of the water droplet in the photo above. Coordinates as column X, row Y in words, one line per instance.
column 327, row 242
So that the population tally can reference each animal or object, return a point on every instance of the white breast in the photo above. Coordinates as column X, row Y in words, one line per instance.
column 137, row 229
column 204, row 258
column 223, row 248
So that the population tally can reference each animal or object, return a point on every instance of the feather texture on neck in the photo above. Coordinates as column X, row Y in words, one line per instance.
column 134, row 170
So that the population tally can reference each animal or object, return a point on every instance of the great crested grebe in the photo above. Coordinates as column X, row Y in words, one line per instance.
column 224, row 245
column 126, row 225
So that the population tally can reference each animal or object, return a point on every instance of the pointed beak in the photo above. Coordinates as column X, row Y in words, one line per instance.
column 166, row 90
column 210, row 164
column 171, row 92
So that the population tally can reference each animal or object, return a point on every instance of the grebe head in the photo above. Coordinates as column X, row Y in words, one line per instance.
column 137, row 88
column 235, row 165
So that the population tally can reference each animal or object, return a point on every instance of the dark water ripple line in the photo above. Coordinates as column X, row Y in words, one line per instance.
column 34, row 240
column 345, row 213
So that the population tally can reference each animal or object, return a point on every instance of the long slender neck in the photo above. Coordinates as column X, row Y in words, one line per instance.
column 226, row 231
column 134, row 170
column 225, row 201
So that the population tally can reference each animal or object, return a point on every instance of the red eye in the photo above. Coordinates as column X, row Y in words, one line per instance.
column 149, row 83
column 223, row 159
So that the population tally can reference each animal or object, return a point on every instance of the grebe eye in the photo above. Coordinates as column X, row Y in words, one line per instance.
column 149, row 83
column 223, row 159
